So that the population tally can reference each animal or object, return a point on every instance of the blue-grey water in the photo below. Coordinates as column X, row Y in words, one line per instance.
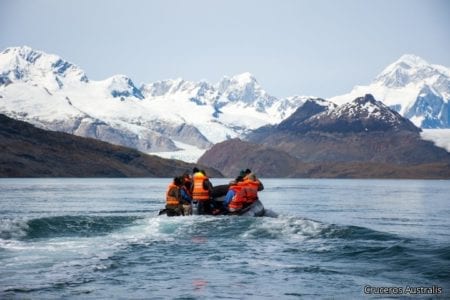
column 102, row 238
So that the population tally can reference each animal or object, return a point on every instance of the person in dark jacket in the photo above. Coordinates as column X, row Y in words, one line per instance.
column 186, row 200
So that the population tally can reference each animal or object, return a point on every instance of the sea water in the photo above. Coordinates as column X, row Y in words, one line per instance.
column 103, row 238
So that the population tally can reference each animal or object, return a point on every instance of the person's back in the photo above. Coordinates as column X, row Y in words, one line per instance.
column 251, row 191
column 249, row 175
column 254, row 185
column 173, row 198
column 239, row 200
column 201, row 192
column 236, row 197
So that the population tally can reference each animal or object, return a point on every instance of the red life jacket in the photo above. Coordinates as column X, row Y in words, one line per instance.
column 198, row 192
column 251, row 190
column 171, row 199
column 239, row 198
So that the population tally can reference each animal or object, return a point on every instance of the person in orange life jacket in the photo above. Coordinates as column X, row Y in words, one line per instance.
column 251, row 185
column 248, row 174
column 201, row 191
column 173, row 198
column 236, row 196
column 178, row 201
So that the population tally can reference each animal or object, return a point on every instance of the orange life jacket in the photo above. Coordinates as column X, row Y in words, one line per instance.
column 171, row 199
column 198, row 192
column 251, row 190
column 239, row 197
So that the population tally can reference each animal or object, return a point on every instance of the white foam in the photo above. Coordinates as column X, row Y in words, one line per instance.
column 13, row 228
column 285, row 228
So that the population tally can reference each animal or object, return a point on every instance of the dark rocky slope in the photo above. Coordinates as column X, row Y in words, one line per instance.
column 234, row 155
column 26, row 151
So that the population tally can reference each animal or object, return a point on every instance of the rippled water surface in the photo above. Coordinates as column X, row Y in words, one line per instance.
column 102, row 238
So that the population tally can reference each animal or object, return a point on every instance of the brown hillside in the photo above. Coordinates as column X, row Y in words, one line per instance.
column 26, row 151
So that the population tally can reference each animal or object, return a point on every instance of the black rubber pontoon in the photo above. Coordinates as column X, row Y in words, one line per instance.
column 256, row 209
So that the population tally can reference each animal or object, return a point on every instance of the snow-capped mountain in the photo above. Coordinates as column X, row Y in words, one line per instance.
column 363, row 136
column 26, row 65
column 416, row 89
column 176, row 118
column 164, row 117
column 361, row 115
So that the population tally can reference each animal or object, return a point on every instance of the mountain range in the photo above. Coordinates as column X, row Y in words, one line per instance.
column 164, row 116
column 363, row 138
column 182, row 119
column 411, row 86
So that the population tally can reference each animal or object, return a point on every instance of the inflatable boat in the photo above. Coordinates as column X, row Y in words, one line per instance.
column 256, row 209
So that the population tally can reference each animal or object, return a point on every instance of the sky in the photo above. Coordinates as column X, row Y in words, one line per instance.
column 318, row 48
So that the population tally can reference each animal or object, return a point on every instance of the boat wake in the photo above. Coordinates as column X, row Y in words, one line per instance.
column 272, row 226
column 97, row 248
column 63, row 226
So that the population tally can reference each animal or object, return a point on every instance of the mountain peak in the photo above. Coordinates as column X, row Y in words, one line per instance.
column 408, row 69
column 246, row 89
column 365, row 114
column 27, row 64
column 308, row 109
column 368, row 98
column 413, row 87
column 244, row 78
column 123, row 86
column 411, row 60
column 25, row 52
column 239, row 80
column 119, row 78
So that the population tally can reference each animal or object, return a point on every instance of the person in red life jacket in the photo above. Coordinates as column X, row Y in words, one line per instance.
column 201, row 191
column 248, row 174
column 250, row 186
column 174, row 205
column 236, row 197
